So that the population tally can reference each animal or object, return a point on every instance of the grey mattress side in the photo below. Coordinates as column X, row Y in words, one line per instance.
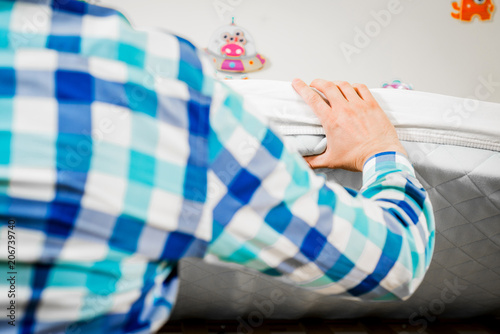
column 463, row 279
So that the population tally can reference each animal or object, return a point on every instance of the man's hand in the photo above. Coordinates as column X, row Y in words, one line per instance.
column 356, row 127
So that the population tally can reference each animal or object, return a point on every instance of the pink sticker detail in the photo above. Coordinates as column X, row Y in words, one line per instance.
column 232, row 50
column 232, row 65
column 262, row 60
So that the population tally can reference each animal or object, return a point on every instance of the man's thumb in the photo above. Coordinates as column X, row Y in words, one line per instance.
column 316, row 161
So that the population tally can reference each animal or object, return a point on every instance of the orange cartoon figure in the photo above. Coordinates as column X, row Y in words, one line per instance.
column 468, row 8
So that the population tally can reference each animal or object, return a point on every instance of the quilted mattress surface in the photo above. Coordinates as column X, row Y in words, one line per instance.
column 454, row 145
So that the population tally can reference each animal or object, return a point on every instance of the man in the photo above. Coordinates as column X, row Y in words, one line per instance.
column 119, row 156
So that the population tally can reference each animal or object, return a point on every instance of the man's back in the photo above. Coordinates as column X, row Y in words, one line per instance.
column 94, row 145
column 119, row 156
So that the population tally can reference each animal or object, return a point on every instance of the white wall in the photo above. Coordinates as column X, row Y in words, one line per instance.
column 421, row 45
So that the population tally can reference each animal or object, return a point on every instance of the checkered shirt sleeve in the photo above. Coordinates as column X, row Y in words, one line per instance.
column 273, row 214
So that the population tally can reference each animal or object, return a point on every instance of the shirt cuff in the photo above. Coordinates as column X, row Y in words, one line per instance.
column 386, row 162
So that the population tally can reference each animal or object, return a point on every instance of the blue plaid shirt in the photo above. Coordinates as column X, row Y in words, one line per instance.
column 120, row 155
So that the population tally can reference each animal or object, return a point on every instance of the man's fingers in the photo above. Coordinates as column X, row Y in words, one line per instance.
column 337, row 91
column 313, row 99
column 349, row 92
column 331, row 91
column 317, row 161
column 363, row 91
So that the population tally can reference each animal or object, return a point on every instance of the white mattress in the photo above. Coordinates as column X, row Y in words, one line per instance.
column 417, row 116
column 455, row 151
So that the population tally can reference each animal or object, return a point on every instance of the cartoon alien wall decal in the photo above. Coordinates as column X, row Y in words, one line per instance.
column 467, row 9
column 232, row 49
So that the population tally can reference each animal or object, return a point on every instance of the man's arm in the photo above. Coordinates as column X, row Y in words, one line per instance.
column 273, row 214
